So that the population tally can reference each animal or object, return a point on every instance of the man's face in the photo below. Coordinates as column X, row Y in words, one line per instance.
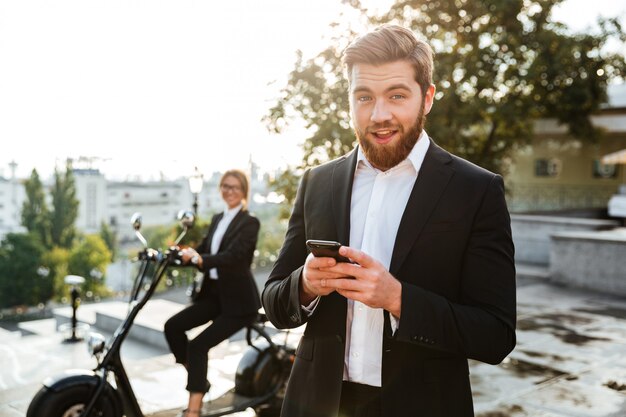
column 388, row 111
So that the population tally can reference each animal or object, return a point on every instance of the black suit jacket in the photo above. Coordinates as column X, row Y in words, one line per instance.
column 238, row 293
column 453, row 255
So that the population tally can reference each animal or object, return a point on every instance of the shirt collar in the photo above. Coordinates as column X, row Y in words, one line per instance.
column 233, row 211
column 415, row 157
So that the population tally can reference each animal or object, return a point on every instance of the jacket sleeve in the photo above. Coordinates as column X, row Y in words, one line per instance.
column 281, row 295
column 240, row 248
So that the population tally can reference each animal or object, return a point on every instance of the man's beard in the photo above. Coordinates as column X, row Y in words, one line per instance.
column 384, row 157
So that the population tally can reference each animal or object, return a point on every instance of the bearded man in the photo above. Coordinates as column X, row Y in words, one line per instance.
column 432, row 283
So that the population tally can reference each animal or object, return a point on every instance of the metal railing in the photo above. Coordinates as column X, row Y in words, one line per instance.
column 545, row 197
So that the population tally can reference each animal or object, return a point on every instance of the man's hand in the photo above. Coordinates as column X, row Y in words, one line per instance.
column 374, row 286
column 316, row 281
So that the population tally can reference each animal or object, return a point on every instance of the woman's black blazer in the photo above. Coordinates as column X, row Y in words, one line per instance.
column 238, row 294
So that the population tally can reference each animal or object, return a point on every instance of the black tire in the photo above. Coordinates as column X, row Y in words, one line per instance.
column 267, row 411
column 70, row 402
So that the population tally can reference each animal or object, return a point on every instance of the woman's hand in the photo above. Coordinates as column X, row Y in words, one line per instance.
column 190, row 256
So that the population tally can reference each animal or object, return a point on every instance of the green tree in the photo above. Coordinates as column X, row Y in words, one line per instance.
column 35, row 215
column 56, row 260
column 499, row 66
column 64, row 208
column 110, row 239
column 271, row 235
column 89, row 259
column 183, row 275
column 21, row 279
column 193, row 237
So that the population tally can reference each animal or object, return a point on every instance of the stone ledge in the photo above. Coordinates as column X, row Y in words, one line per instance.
column 148, row 325
column 564, row 220
column 617, row 235
column 591, row 260
column 107, row 316
column 532, row 271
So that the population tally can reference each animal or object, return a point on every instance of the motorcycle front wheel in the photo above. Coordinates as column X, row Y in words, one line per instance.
column 70, row 402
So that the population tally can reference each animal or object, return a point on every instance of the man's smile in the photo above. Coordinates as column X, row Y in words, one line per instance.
column 383, row 136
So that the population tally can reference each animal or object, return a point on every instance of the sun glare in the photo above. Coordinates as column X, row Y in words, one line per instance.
column 151, row 89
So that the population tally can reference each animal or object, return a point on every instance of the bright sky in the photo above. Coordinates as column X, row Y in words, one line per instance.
column 156, row 87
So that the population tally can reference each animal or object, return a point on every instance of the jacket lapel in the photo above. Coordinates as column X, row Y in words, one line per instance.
column 216, row 220
column 205, row 247
column 342, row 179
column 432, row 180
column 234, row 224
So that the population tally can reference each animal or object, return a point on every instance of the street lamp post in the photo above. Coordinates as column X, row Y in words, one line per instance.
column 74, row 281
column 196, row 181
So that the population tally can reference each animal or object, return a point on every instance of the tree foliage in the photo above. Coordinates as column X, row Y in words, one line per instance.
column 192, row 238
column 109, row 237
column 89, row 259
column 271, row 235
column 56, row 260
column 316, row 92
column 64, row 208
column 22, row 282
column 65, row 252
column 164, row 236
column 35, row 214
column 499, row 65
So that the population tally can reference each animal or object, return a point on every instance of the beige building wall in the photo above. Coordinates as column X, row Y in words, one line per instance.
column 555, row 172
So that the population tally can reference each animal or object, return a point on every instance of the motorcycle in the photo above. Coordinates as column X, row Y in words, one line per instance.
column 105, row 391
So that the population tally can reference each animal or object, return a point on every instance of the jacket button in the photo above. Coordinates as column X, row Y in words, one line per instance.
column 415, row 338
column 294, row 318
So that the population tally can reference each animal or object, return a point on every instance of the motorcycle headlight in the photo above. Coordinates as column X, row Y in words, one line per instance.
column 95, row 343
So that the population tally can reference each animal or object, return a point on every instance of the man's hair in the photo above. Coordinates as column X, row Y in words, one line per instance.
column 389, row 43
column 243, row 181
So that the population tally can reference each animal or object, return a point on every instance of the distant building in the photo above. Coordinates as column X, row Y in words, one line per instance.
column 158, row 202
column 12, row 196
column 114, row 202
column 11, row 199
column 91, row 192
column 555, row 172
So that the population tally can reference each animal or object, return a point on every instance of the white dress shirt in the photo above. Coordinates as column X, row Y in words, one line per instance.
column 227, row 218
column 378, row 202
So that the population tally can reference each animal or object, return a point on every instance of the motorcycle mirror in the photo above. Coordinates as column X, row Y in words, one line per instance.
column 186, row 218
column 95, row 343
column 136, row 221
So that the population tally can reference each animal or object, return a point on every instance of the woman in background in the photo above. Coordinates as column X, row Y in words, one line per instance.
column 228, row 295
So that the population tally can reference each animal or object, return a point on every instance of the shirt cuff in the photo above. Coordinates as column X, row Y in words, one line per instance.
column 394, row 324
column 309, row 309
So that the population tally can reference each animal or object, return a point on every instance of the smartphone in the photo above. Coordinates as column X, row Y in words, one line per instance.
column 326, row 248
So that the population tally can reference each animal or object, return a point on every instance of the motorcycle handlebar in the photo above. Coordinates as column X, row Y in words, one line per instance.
column 173, row 255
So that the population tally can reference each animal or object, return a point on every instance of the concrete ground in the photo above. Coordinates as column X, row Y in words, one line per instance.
column 570, row 360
